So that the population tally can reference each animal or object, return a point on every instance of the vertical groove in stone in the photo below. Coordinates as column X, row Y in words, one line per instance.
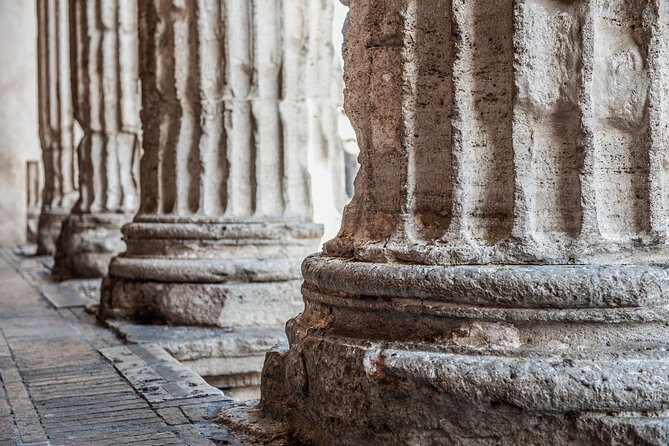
column 301, row 47
column 621, row 121
column 225, row 107
column 589, row 224
column 104, row 58
column 129, row 104
column 184, row 62
column 432, row 90
column 482, row 138
column 110, row 195
column 547, row 115
column 239, row 123
column 171, row 112
column 658, row 121
column 55, row 99
column 66, row 165
column 409, row 100
column 269, row 144
column 213, row 193
column 43, row 76
column 150, row 32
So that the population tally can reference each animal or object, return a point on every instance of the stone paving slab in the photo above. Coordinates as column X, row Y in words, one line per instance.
column 72, row 293
column 67, row 380
column 225, row 356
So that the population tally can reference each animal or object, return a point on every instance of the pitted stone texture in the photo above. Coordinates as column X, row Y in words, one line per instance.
column 56, row 121
column 407, row 394
column 500, row 274
column 494, row 133
column 106, row 105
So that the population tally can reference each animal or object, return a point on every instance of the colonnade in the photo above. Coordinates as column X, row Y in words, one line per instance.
column 499, row 275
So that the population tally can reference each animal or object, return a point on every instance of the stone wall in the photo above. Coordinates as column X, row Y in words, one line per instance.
column 18, row 114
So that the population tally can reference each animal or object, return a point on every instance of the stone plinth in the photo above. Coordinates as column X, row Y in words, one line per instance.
column 107, row 101
column 209, row 274
column 500, row 276
column 56, row 121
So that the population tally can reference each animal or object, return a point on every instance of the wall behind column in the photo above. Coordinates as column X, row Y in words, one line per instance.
column 19, row 140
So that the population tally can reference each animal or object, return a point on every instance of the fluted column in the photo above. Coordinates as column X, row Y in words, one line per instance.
column 33, row 200
column 225, row 213
column 56, row 121
column 500, row 276
column 107, row 102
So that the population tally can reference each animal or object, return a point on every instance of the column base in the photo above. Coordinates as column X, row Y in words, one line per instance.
column 401, row 354
column 49, row 227
column 209, row 274
column 201, row 304
column 87, row 244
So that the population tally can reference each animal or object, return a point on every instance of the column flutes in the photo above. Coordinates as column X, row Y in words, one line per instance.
column 107, row 96
column 56, row 121
column 503, row 258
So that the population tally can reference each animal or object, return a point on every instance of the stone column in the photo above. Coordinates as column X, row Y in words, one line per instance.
column 33, row 202
column 107, row 102
column 500, row 276
column 225, row 212
column 56, row 121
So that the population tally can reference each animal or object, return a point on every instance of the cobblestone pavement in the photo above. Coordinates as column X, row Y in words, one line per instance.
column 67, row 381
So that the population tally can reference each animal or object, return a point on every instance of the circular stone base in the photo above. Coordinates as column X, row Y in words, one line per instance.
column 209, row 274
column 401, row 354
column 87, row 244
column 201, row 304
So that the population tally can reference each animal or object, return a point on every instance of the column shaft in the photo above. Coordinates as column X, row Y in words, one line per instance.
column 56, row 121
column 225, row 216
column 106, row 91
column 503, row 258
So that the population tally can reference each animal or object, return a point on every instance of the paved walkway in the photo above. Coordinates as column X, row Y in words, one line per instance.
column 66, row 380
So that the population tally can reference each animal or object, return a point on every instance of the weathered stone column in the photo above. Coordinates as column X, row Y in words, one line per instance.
column 500, row 276
column 225, row 212
column 56, row 121
column 107, row 102
column 33, row 201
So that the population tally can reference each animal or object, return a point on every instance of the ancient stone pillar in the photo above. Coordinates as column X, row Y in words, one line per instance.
column 56, row 121
column 33, row 202
column 107, row 102
column 500, row 276
column 225, row 212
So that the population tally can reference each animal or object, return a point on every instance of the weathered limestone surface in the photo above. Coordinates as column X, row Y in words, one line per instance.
column 225, row 217
column 500, row 276
column 56, row 121
column 107, row 102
